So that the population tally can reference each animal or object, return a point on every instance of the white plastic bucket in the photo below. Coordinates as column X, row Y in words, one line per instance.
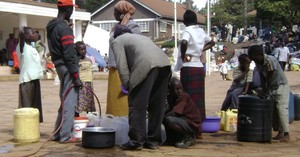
column 79, row 124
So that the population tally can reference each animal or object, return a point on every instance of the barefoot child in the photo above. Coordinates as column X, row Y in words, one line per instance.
column 86, row 98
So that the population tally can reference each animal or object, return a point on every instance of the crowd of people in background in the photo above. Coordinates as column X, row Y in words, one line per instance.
column 282, row 42
column 273, row 34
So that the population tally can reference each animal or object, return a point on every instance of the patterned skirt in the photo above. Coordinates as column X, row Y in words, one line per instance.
column 86, row 99
column 193, row 82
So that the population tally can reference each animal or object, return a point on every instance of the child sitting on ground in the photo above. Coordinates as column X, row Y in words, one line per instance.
column 183, row 120
column 242, row 76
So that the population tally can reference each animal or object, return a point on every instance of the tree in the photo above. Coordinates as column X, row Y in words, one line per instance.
column 283, row 12
column 226, row 11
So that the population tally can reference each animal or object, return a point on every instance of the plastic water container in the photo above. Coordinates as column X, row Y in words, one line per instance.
column 230, row 118
column 222, row 122
column 291, row 108
column 254, row 119
column 26, row 125
column 297, row 106
column 79, row 124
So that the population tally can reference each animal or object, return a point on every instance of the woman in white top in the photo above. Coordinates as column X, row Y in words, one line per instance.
column 193, row 44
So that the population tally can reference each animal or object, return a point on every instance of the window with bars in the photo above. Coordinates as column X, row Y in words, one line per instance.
column 163, row 26
column 107, row 26
column 144, row 25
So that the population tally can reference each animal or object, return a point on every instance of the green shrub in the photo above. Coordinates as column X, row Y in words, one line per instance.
column 168, row 44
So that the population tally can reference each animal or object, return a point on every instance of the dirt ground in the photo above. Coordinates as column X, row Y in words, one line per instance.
column 219, row 144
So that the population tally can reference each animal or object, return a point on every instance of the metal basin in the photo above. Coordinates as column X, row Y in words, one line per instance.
column 98, row 137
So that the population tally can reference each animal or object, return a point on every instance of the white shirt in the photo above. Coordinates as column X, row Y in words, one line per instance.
column 224, row 68
column 196, row 38
column 230, row 28
column 283, row 54
column 30, row 64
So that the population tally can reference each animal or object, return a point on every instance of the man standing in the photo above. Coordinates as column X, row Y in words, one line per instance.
column 11, row 44
column 66, row 61
column 144, row 71
column 230, row 29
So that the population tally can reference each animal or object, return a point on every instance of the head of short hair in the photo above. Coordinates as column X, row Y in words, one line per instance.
column 27, row 30
column 255, row 50
column 172, row 83
column 189, row 17
column 78, row 43
column 29, row 34
column 244, row 58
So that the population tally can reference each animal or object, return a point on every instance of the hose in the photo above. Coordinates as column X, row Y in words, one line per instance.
column 62, row 106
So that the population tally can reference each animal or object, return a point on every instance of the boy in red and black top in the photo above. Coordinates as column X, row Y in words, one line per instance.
column 65, row 58
column 183, row 121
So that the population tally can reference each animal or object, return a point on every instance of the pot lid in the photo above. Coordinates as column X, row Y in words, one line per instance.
column 98, row 129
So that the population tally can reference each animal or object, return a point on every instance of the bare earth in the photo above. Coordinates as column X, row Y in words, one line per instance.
column 221, row 144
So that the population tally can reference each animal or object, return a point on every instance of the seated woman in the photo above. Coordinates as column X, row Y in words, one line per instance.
column 242, row 77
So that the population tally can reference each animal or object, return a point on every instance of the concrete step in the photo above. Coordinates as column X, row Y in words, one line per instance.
column 5, row 70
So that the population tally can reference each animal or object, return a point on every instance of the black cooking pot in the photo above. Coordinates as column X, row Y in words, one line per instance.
column 98, row 137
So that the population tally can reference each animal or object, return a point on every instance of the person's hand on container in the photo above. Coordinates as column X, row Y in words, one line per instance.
column 124, row 90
